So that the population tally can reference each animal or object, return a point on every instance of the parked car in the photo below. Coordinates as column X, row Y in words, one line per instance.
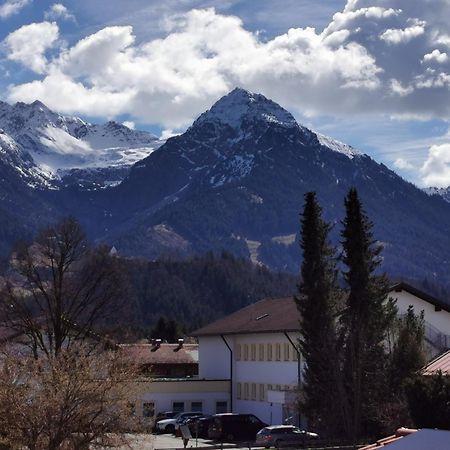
column 169, row 425
column 198, row 426
column 234, row 427
column 283, row 436
column 165, row 415
column 182, row 420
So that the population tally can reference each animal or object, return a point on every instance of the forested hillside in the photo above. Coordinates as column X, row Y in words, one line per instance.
column 198, row 290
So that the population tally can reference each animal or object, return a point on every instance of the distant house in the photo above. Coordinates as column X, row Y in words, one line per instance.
column 436, row 314
column 170, row 380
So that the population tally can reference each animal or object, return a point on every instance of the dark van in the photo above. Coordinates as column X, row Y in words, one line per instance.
column 234, row 427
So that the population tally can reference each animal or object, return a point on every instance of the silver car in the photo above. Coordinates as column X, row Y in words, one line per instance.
column 283, row 436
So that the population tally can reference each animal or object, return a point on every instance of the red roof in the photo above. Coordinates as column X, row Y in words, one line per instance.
column 148, row 354
column 400, row 433
column 439, row 364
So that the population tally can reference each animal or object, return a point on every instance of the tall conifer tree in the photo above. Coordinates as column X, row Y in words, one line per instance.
column 317, row 305
column 366, row 320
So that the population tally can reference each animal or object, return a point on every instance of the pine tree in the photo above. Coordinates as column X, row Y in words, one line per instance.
column 366, row 320
column 317, row 305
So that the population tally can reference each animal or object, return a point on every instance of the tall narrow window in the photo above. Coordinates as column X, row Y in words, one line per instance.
column 245, row 391
column 262, row 392
column 269, row 352
column 261, row 352
column 253, row 391
column 245, row 352
column 286, row 351
column 277, row 351
column 253, row 352
column 238, row 352
column 294, row 355
column 239, row 391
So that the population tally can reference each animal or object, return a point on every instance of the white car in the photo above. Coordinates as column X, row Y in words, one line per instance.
column 170, row 425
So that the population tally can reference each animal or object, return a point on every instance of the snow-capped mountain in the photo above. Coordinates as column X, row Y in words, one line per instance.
column 72, row 150
column 236, row 178
column 443, row 192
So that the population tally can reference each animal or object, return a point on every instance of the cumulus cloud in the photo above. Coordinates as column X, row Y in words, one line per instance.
column 437, row 56
column 346, row 69
column 59, row 11
column 28, row 44
column 11, row 7
column 436, row 169
column 400, row 36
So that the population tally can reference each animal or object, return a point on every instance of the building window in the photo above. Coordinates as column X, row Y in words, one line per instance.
column 269, row 387
column 294, row 355
column 238, row 391
column 238, row 352
column 262, row 392
column 196, row 406
column 278, row 387
column 253, row 352
column 222, row 406
column 245, row 391
column 245, row 352
column 286, row 351
column 178, row 407
column 269, row 352
column 277, row 351
column 253, row 391
column 148, row 409
column 261, row 352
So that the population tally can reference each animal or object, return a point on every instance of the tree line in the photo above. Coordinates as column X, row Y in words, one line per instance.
column 358, row 353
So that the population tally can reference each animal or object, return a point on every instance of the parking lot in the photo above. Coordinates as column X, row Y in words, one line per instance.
column 169, row 441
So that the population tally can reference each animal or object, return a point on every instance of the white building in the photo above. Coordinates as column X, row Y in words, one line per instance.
column 256, row 348
column 436, row 314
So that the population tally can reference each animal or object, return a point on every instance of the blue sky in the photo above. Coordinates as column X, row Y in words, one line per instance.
column 372, row 73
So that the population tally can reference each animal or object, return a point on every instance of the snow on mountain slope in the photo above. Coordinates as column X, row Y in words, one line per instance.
column 443, row 192
column 60, row 144
column 337, row 146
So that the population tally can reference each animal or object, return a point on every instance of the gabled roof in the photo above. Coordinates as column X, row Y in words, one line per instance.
column 402, row 286
column 439, row 364
column 270, row 315
column 149, row 354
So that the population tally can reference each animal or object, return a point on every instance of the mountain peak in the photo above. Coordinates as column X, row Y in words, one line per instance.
column 241, row 105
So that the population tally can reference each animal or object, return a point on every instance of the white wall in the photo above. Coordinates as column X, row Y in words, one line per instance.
column 214, row 358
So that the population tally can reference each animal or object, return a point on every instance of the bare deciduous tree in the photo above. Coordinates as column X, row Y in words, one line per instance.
column 76, row 400
column 60, row 288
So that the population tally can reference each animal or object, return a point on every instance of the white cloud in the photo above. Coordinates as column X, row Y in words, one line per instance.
column 59, row 11
column 400, row 36
column 436, row 169
column 28, row 44
column 437, row 56
column 344, row 70
column 403, row 164
column 11, row 7
column 399, row 89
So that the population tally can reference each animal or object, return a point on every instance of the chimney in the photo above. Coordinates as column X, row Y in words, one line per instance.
column 180, row 345
column 156, row 344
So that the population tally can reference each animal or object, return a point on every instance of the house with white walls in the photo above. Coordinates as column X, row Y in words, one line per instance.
column 436, row 314
column 256, row 348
